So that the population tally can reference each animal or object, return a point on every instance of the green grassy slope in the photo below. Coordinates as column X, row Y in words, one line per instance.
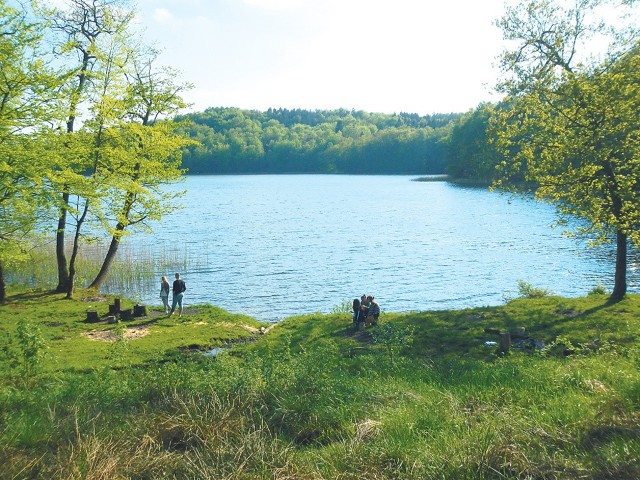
column 420, row 396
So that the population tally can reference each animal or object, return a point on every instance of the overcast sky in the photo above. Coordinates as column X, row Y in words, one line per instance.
column 419, row 56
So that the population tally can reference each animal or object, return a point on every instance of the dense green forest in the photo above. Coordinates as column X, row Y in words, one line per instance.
column 232, row 140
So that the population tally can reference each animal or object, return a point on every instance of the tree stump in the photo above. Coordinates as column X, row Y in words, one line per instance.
column 116, row 304
column 505, row 342
column 519, row 332
column 92, row 316
column 126, row 314
column 139, row 310
column 111, row 319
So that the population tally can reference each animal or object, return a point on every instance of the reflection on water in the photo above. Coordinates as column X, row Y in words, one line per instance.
column 275, row 246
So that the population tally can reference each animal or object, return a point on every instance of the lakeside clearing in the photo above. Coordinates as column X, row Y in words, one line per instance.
column 424, row 395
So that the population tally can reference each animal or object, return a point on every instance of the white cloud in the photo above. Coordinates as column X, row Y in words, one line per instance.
column 162, row 15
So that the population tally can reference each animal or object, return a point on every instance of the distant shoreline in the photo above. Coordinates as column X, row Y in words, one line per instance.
column 432, row 178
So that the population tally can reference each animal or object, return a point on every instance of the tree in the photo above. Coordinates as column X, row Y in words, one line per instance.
column 571, row 129
column 148, row 152
column 26, row 84
column 96, row 149
column 81, row 47
column 470, row 154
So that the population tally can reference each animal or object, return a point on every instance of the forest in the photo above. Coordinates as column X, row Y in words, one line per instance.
column 232, row 140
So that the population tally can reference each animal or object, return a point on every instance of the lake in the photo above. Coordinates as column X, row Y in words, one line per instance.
column 282, row 245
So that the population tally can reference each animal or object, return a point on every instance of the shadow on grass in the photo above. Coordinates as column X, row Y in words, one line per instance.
column 34, row 295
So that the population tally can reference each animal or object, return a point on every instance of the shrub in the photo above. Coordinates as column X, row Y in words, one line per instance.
column 31, row 346
column 599, row 289
column 529, row 291
column 343, row 307
column 393, row 337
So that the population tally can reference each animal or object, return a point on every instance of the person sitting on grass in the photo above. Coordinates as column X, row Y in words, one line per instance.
column 357, row 312
column 364, row 306
column 373, row 312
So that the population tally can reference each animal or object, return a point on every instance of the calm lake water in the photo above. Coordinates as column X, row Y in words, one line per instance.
column 276, row 246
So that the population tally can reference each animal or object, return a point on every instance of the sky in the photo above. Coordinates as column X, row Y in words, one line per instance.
column 387, row 56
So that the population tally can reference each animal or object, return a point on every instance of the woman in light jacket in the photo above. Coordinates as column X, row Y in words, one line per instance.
column 164, row 293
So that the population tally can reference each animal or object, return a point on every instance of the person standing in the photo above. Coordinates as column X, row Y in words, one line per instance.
column 178, row 293
column 164, row 293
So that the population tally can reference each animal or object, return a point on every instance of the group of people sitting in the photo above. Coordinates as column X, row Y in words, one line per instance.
column 366, row 310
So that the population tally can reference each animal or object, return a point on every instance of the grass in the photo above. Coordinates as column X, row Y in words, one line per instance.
column 71, row 341
column 315, row 399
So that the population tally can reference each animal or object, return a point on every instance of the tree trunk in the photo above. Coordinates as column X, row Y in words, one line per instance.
column 3, row 290
column 76, row 248
column 108, row 259
column 115, row 240
column 63, row 271
column 620, row 286
column 72, row 273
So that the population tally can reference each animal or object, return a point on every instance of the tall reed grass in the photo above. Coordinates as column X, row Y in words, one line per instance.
column 135, row 269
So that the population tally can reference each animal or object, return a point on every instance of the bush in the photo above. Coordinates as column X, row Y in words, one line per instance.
column 599, row 289
column 529, row 291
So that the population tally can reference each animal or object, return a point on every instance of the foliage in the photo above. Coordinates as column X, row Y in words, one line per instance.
column 569, row 126
column 346, row 306
column 232, row 140
column 26, row 83
column 393, row 338
column 598, row 290
column 86, row 139
column 25, row 348
column 529, row 291
column 471, row 153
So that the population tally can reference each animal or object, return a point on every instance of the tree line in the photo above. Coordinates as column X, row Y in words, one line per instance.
column 232, row 140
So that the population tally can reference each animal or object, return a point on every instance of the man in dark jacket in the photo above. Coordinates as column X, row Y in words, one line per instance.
column 178, row 292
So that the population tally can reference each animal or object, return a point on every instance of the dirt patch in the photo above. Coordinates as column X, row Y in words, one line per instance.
column 131, row 333
column 248, row 328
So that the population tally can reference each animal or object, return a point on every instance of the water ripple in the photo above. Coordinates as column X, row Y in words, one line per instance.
column 274, row 246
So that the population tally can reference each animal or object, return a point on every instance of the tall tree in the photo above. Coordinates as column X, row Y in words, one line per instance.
column 97, row 148
column 572, row 129
column 149, row 151
column 26, row 86
column 82, row 29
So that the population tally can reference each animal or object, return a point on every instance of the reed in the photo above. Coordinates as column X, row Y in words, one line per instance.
column 135, row 269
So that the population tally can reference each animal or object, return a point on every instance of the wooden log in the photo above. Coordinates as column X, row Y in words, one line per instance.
column 116, row 304
column 111, row 319
column 113, row 309
column 92, row 316
column 139, row 310
column 505, row 342
column 126, row 314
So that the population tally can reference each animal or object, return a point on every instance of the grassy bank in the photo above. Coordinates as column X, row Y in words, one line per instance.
column 420, row 396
